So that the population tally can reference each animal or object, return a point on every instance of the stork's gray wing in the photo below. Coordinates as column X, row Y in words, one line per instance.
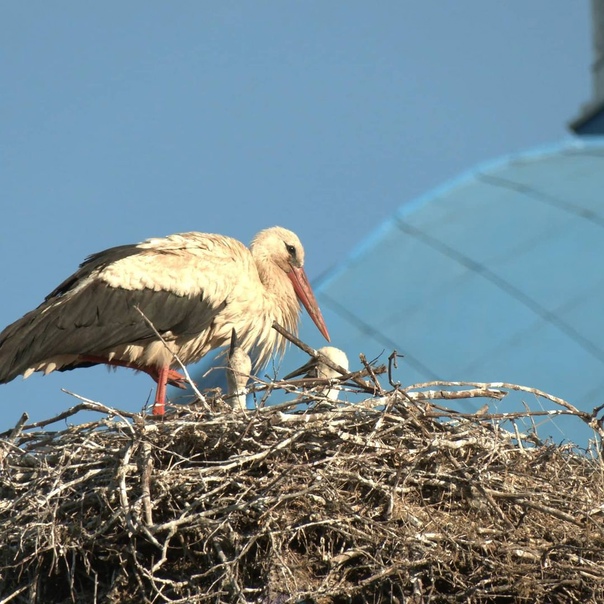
column 180, row 283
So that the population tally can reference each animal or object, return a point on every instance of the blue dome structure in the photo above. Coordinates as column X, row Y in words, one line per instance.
column 492, row 277
column 495, row 276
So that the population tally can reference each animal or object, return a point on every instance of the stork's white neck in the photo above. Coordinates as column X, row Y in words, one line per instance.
column 280, row 304
column 279, row 293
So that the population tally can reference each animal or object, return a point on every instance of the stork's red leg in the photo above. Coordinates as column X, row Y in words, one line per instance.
column 160, row 395
column 174, row 378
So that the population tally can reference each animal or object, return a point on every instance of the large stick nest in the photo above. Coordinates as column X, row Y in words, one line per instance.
column 392, row 500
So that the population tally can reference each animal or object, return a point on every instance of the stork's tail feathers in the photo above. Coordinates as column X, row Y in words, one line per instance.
column 16, row 348
column 21, row 345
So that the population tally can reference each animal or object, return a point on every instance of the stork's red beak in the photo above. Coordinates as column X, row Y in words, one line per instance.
column 305, row 295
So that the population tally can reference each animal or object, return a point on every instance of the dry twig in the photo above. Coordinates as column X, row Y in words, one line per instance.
column 392, row 499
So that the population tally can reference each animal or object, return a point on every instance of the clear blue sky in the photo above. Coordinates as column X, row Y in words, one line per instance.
column 125, row 120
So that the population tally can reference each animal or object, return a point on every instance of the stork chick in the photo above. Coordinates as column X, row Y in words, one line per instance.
column 316, row 368
column 239, row 367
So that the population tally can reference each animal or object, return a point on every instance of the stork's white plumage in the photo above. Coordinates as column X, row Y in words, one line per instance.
column 316, row 368
column 194, row 288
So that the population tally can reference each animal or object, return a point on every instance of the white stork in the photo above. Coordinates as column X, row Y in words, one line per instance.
column 193, row 288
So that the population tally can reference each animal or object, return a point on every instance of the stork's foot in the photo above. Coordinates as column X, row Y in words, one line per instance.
column 173, row 378
column 176, row 379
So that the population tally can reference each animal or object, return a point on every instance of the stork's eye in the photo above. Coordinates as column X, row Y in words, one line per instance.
column 291, row 250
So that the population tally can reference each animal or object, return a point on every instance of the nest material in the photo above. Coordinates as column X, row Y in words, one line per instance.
column 391, row 500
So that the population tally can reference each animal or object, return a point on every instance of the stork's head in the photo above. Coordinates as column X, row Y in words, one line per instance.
column 282, row 249
column 317, row 367
column 278, row 246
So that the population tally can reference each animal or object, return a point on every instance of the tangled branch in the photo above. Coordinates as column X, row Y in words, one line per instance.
column 395, row 498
